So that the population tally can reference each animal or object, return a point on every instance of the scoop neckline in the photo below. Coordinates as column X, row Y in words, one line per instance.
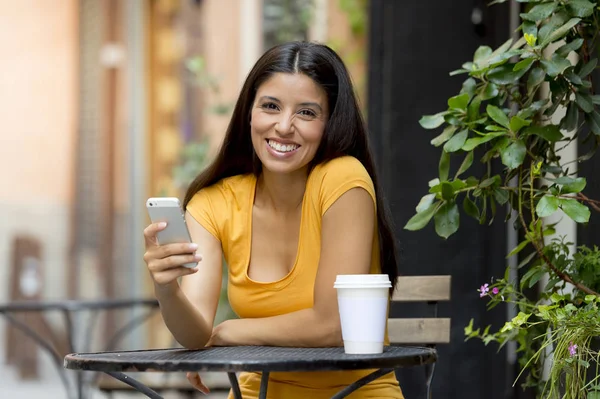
column 285, row 280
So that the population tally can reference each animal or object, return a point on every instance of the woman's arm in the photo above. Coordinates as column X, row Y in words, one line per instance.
column 189, row 309
column 347, row 233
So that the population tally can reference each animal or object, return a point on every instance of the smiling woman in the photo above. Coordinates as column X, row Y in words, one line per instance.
column 291, row 201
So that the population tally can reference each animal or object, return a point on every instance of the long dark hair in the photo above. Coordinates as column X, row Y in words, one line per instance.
column 344, row 134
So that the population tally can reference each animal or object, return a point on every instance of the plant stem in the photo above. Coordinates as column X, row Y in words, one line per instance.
column 562, row 275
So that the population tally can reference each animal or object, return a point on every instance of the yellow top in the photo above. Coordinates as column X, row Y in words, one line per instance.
column 225, row 210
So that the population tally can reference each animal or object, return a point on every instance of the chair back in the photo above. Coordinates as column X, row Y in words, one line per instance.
column 426, row 330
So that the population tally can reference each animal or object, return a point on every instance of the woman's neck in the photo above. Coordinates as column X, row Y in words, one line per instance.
column 281, row 192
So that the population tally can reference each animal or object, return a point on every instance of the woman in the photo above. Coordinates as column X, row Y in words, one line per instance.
column 290, row 201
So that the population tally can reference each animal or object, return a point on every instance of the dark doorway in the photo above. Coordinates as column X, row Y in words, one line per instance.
column 413, row 46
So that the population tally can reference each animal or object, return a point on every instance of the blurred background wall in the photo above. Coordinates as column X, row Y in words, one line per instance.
column 103, row 104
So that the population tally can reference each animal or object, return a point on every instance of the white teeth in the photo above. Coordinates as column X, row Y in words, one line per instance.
column 282, row 147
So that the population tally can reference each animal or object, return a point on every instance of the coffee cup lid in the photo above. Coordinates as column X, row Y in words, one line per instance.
column 362, row 281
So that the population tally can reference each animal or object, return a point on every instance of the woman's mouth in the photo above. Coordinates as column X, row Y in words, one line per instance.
column 282, row 148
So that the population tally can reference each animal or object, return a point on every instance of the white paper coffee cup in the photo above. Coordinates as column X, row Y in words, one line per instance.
column 363, row 302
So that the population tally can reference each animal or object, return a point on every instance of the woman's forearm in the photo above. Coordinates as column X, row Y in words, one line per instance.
column 303, row 328
column 182, row 318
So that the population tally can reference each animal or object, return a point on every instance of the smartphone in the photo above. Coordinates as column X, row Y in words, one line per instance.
column 168, row 209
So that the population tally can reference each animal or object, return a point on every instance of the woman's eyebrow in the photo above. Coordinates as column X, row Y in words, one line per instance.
column 304, row 104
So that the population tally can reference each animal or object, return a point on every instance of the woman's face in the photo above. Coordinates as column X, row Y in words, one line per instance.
column 289, row 115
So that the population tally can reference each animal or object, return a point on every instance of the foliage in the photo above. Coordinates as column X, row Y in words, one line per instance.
column 502, row 117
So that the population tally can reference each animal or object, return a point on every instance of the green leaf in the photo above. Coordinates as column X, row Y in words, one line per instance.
column 539, row 12
column 420, row 220
column 444, row 136
column 593, row 121
column 444, row 166
column 456, row 142
column 524, row 64
column 517, row 123
column 593, row 395
column 490, row 91
column 425, row 202
column 575, row 210
column 498, row 115
column 571, row 46
column 476, row 141
column 546, row 206
column 482, row 53
column 560, row 32
column 571, row 185
column 513, row 155
column 470, row 208
column 518, row 248
column 549, row 133
column 580, row 8
column 504, row 74
column 473, row 109
column 465, row 165
column 447, row 220
column 459, row 102
column 501, row 196
column 432, row 121
column 536, row 77
column 469, row 86
column 530, row 28
column 584, row 101
column 556, row 65
column 569, row 122
column 447, row 191
column 588, row 68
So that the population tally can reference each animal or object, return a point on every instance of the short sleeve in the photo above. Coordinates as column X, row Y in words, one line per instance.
column 202, row 208
column 341, row 175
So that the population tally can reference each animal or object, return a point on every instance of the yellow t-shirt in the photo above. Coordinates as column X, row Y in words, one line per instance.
column 225, row 210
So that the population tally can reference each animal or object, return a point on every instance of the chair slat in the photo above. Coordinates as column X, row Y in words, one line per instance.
column 419, row 331
column 422, row 288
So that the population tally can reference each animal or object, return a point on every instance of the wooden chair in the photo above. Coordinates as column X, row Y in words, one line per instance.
column 422, row 331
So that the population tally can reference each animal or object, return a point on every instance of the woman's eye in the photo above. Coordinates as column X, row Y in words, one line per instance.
column 270, row 106
column 308, row 112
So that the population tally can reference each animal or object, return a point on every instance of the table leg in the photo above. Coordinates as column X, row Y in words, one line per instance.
column 44, row 345
column 360, row 383
column 71, row 342
column 135, row 384
column 264, row 382
column 235, row 387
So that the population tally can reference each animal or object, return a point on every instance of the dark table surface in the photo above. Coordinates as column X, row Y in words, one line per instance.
column 249, row 358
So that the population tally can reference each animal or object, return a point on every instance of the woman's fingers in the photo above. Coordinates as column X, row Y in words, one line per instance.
column 170, row 275
column 151, row 231
column 196, row 381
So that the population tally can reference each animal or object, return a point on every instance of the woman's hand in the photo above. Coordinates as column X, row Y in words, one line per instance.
column 222, row 334
column 196, row 381
column 165, row 261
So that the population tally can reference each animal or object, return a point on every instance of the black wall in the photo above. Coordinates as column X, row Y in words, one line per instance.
column 413, row 46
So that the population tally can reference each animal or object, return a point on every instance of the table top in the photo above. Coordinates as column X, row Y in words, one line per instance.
column 249, row 358
column 75, row 304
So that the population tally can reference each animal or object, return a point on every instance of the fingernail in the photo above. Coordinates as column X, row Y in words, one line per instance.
column 162, row 224
column 193, row 246
column 197, row 256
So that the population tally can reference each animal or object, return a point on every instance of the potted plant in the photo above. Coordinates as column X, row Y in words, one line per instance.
column 505, row 116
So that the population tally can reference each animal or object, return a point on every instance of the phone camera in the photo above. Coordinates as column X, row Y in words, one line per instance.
column 151, row 204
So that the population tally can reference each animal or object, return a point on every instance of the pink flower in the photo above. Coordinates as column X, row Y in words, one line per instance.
column 483, row 290
column 573, row 349
column 495, row 290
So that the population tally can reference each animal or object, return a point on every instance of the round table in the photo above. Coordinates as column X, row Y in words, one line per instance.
column 250, row 358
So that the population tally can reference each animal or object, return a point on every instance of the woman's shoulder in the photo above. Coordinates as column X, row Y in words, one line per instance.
column 342, row 168
column 333, row 178
column 226, row 190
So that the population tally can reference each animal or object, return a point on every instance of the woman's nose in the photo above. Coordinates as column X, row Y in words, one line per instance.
column 285, row 125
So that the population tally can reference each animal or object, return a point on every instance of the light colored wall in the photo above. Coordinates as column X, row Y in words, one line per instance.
column 38, row 77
